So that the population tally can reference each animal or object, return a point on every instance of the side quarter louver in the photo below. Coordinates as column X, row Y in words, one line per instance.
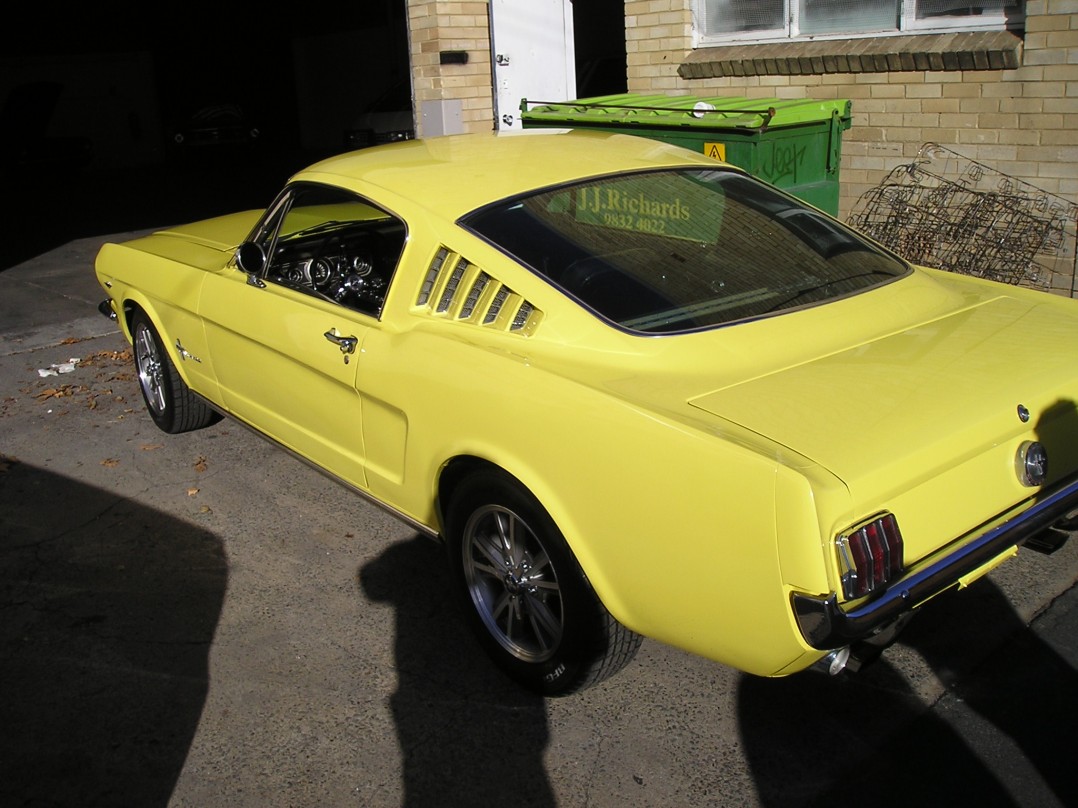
column 454, row 288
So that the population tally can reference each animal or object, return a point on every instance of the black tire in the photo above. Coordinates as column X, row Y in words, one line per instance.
column 170, row 402
column 524, row 594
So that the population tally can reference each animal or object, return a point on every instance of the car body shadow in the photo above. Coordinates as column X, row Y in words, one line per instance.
column 109, row 609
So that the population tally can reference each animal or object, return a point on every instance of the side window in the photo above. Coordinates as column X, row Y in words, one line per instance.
column 333, row 244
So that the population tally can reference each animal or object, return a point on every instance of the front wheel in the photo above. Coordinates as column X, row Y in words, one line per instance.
column 172, row 405
column 524, row 594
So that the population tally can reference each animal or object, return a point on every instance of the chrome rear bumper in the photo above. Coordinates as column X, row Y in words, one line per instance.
column 825, row 624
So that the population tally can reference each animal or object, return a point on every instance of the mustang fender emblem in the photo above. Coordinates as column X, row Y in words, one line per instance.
column 184, row 355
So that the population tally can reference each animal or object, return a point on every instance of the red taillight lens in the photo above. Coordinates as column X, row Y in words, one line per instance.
column 869, row 556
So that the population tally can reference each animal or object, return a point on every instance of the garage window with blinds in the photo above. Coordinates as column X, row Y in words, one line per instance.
column 724, row 21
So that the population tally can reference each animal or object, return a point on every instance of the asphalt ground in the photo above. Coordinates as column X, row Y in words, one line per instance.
column 201, row 620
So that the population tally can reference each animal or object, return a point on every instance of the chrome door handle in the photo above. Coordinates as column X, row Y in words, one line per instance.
column 346, row 344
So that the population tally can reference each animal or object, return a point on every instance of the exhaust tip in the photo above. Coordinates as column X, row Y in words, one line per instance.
column 834, row 663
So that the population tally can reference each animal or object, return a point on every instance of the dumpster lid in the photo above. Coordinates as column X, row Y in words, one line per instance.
column 725, row 112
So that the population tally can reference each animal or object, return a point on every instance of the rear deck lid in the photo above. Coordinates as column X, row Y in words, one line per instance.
column 921, row 398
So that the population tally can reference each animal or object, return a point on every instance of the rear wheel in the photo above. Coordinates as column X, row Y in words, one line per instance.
column 524, row 594
column 172, row 405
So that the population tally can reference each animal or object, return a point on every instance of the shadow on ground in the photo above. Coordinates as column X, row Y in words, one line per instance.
column 108, row 611
column 815, row 741
column 468, row 735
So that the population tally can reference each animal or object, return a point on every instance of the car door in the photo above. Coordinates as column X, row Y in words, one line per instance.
column 286, row 338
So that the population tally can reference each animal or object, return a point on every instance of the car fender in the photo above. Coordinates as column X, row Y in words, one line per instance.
column 564, row 441
column 168, row 293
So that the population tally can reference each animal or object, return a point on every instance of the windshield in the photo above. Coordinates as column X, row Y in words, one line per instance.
column 680, row 250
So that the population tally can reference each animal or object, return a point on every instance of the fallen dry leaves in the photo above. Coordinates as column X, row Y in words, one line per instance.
column 63, row 391
column 123, row 357
column 116, row 367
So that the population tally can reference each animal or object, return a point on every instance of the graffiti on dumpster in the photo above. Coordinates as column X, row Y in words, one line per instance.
column 782, row 162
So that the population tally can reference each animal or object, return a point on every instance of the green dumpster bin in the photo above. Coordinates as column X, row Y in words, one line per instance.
column 794, row 144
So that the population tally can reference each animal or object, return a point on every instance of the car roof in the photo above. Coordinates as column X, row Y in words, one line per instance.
column 455, row 174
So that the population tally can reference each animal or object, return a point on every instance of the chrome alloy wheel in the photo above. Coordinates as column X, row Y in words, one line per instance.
column 151, row 371
column 512, row 583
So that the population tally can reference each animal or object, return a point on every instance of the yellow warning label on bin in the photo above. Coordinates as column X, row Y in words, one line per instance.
column 715, row 150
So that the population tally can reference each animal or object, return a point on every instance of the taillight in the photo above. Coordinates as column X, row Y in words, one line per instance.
column 869, row 556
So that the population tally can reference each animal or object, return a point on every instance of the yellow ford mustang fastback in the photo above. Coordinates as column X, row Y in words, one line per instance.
column 636, row 392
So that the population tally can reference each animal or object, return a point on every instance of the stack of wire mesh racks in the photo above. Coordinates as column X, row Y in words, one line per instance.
column 944, row 210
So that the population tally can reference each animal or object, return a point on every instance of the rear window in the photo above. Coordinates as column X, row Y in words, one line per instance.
column 681, row 250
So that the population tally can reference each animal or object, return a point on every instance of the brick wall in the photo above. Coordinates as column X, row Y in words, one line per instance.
column 436, row 26
column 1021, row 120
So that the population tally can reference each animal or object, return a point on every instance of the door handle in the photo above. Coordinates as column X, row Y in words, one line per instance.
column 346, row 344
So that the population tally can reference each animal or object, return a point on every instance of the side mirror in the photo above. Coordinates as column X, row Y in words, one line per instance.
column 251, row 258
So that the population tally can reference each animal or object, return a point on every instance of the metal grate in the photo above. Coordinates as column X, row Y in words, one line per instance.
column 474, row 293
column 452, row 285
column 496, row 306
column 432, row 276
column 523, row 313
